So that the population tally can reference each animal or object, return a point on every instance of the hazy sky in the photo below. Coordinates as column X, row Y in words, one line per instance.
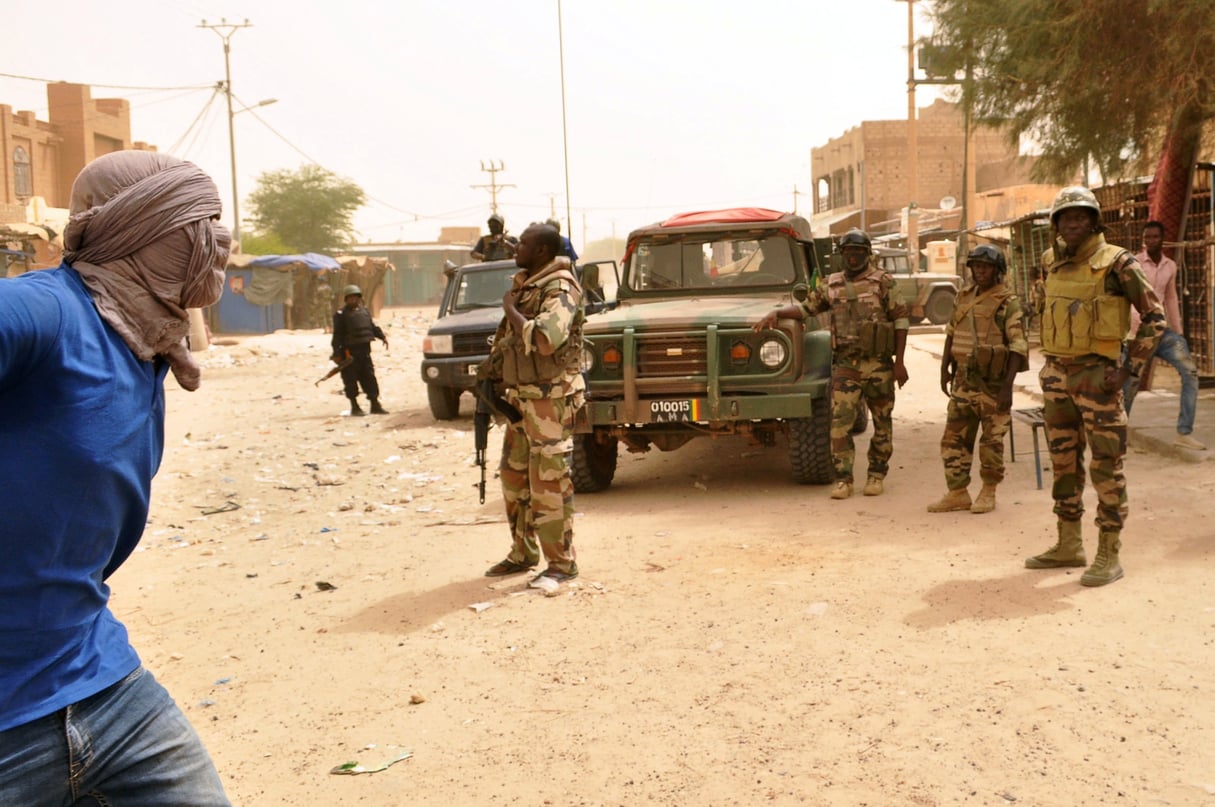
column 671, row 105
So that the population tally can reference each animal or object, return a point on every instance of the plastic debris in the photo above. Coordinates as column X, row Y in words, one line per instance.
column 478, row 607
column 358, row 767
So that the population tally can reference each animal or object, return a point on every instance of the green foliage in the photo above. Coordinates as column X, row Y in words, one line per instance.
column 309, row 210
column 1101, row 79
column 264, row 244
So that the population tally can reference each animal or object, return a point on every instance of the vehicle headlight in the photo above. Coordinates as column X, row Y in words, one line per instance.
column 438, row 343
column 588, row 359
column 772, row 353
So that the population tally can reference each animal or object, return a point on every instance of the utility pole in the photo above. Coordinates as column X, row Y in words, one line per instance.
column 225, row 30
column 796, row 193
column 492, row 169
column 913, row 149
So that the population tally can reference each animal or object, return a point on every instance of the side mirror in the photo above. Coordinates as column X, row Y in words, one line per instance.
column 801, row 292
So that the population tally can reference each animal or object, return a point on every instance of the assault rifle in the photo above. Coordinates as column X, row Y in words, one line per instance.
column 342, row 363
column 489, row 402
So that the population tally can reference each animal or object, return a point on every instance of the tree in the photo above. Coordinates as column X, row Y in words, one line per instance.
column 1114, row 81
column 309, row 210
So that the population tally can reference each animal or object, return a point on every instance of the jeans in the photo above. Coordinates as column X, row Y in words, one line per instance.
column 126, row 746
column 1174, row 350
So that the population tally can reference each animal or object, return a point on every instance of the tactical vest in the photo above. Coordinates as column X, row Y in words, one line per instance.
column 978, row 340
column 859, row 324
column 356, row 327
column 1080, row 318
column 520, row 368
column 497, row 248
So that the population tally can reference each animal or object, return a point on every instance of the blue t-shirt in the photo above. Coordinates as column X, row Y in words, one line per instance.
column 81, row 435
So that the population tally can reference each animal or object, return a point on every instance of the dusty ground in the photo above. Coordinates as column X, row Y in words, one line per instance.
column 733, row 638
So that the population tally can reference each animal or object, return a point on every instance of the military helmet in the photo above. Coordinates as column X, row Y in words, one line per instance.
column 989, row 254
column 351, row 289
column 856, row 238
column 1073, row 196
column 498, row 218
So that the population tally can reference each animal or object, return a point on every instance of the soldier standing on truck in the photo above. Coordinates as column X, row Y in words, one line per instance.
column 497, row 246
column 985, row 348
column 869, row 324
column 539, row 344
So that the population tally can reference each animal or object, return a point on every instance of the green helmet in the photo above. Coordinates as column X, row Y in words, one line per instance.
column 1073, row 196
column 856, row 238
column 989, row 254
column 352, row 289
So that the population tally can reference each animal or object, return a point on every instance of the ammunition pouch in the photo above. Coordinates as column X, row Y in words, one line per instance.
column 876, row 339
column 989, row 362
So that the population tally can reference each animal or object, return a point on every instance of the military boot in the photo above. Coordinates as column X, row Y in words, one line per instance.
column 1067, row 551
column 1105, row 568
column 376, row 409
column 953, row 500
column 355, row 409
column 873, row 486
column 843, row 489
column 986, row 502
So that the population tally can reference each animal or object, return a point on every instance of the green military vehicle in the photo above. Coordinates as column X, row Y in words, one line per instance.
column 676, row 357
column 929, row 295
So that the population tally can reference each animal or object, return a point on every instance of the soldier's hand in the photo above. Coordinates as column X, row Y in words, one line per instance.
column 1004, row 400
column 767, row 323
column 1116, row 378
column 900, row 373
column 946, row 377
column 384, row 339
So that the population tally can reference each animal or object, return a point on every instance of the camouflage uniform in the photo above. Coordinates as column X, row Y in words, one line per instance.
column 1086, row 313
column 536, row 482
column 984, row 325
column 866, row 308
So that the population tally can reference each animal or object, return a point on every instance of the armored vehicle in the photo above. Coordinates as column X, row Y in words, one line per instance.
column 676, row 358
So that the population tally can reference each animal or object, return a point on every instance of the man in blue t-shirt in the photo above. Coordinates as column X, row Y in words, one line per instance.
column 84, row 350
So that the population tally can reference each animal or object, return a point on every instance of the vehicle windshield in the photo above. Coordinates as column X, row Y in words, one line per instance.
column 707, row 264
column 483, row 289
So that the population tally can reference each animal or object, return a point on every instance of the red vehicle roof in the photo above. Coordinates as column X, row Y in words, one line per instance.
column 731, row 215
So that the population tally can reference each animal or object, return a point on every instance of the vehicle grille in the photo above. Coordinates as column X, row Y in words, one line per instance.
column 471, row 344
column 671, row 356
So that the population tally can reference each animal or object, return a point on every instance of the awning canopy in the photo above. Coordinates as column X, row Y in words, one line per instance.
column 313, row 261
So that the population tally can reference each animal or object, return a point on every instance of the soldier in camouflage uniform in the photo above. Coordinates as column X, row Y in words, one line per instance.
column 1090, row 289
column 540, row 344
column 985, row 348
column 869, row 322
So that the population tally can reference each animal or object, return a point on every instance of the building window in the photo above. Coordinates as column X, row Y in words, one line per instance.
column 23, row 183
column 851, row 187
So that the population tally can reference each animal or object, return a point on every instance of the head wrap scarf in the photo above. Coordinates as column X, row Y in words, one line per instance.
column 143, row 238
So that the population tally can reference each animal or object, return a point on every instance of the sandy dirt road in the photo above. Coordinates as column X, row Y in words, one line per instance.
column 734, row 639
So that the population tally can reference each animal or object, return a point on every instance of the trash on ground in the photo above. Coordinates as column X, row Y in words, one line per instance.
column 358, row 767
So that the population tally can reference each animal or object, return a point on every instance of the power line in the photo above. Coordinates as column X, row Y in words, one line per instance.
column 105, row 86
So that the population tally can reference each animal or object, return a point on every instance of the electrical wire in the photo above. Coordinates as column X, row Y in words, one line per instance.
column 193, row 124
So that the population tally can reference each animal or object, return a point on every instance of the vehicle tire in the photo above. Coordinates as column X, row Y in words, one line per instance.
column 594, row 463
column 444, row 401
column 810, row 445
column 862, row 419
column 939, row 307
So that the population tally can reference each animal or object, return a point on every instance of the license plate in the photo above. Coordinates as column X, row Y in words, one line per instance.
column 678, row 411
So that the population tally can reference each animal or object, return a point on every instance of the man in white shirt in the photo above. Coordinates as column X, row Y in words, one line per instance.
column 1161, row 272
